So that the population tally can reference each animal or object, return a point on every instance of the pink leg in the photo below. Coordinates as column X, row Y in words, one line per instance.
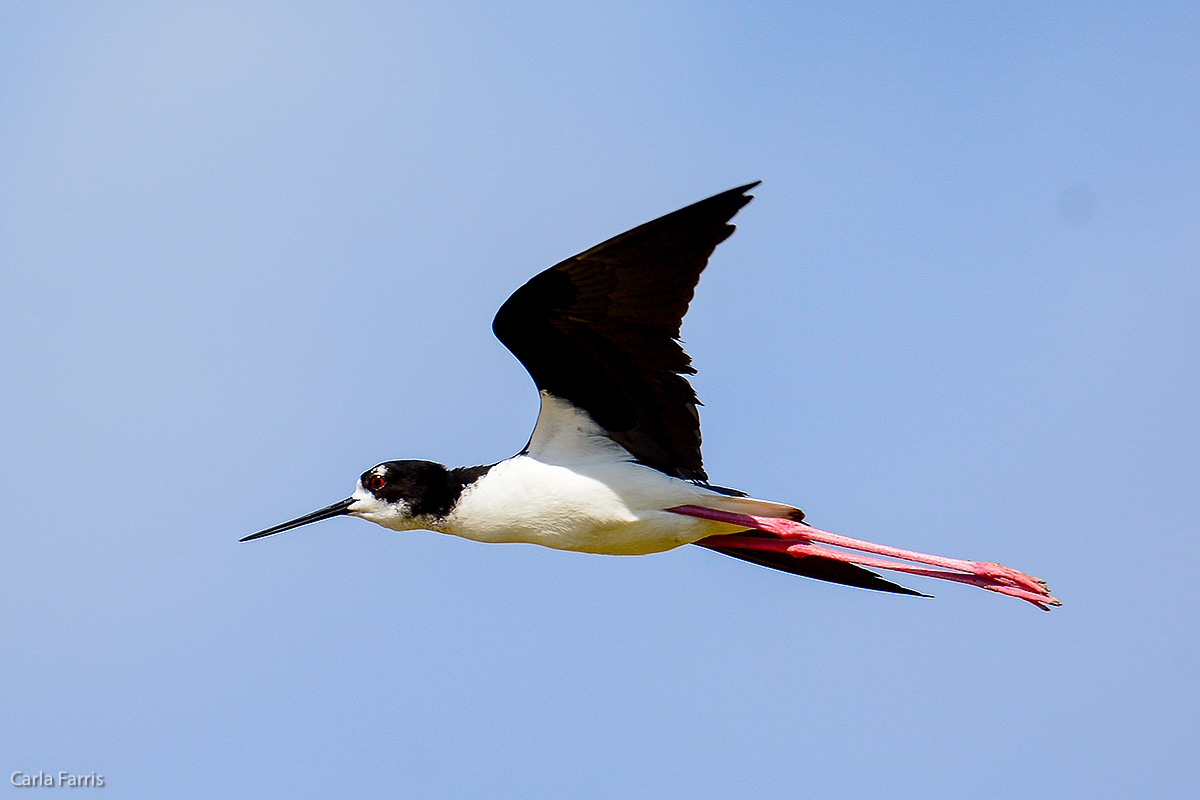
column 798, row 538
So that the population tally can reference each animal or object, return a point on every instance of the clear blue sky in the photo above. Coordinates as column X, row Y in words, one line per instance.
column 250, row 250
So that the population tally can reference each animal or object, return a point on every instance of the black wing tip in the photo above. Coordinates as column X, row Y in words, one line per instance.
column 740, row 200
column 738, row 193
column 822, row 569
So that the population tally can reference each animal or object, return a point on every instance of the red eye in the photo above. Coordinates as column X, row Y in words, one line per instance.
column 376, row 482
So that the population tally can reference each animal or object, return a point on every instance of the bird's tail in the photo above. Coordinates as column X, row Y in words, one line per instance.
column 819, row 567
column 774, row 536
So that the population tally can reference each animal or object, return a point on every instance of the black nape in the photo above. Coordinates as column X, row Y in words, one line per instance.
column 428, row 488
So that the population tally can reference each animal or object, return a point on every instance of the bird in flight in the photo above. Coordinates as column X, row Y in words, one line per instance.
column 613, row 464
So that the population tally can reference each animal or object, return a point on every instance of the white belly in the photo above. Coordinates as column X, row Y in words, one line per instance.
column 609, row 507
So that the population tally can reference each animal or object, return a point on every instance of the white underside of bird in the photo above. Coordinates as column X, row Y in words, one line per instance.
column 574, row 488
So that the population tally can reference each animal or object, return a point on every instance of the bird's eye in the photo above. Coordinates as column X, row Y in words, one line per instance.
column 375, row 482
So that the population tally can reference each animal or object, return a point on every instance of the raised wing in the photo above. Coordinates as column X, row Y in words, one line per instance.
column 600, row 330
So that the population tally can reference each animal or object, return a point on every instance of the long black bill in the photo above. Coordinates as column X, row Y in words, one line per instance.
column 335, row 510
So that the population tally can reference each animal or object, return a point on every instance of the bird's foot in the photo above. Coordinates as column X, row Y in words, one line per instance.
column 801, row 539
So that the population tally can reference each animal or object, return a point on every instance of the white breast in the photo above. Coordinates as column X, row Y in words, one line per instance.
column 604, row 507
column 576, row 489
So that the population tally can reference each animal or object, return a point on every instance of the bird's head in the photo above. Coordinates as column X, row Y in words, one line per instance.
column 401, row 495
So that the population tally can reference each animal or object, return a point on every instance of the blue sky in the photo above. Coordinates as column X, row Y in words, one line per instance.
column 252, row 249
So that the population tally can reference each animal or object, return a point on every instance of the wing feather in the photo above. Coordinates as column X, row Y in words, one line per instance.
column 600, row 330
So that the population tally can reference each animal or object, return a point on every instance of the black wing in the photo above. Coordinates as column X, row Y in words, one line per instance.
column 601, row 331
column 819, row 567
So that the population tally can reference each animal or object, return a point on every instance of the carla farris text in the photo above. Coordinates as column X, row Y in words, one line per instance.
column 26, row 779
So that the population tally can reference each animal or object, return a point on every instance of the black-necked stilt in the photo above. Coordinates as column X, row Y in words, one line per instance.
column 613, row 465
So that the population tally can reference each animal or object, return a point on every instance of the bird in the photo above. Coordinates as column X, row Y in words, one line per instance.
column 614, row 464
